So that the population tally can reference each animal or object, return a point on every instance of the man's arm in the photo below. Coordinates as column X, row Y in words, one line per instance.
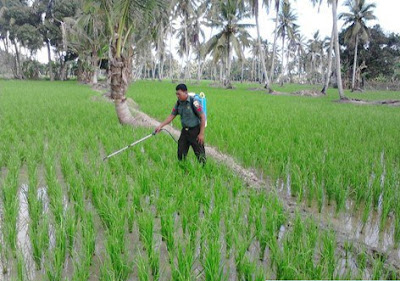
column 200, row 137
column 166, row 122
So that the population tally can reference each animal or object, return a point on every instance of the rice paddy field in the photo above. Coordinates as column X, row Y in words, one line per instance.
column 67, row 215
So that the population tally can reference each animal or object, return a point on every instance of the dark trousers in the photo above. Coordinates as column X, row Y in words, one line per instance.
column 189, row 138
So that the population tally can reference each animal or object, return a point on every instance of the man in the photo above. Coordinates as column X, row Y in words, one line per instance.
column 193, row 123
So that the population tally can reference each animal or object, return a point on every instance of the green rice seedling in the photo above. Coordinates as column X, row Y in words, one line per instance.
column 39, row 240
column 70, row 229
column 242, row 244
column 56, row 257
column 362, row 259
column 328, row 253
column 142, row 268
column 154, row 259
column 212, row 262
column 183, row 268
column 21, row 272
column 121, row 265
column 10, row 204
column 146, row 228
column 378, row 269
column 167, row 228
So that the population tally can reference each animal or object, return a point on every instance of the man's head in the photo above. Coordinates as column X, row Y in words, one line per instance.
column 181, row 92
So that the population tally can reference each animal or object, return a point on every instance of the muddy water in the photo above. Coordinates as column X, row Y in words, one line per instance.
column 349, row 222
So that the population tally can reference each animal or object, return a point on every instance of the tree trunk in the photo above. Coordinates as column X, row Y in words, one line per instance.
column 50, row 62
column 228, row 65
column 353, row 82
column 274, row 48
column 187, row 67
column 120, row 76
column 170, row 51
column 17, row 61
column 283, row 63
column 241, row 75
column 198, row 70
column 337, row 51
column 63, row 70
column 221, row 73
column 264, row 69
column 328, row 71
column 95, row 64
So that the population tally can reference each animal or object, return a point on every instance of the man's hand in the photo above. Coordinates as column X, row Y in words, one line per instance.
column 200, row 139
column 158, row 129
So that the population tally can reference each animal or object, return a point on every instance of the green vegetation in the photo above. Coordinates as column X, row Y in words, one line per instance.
column 142, row 216
column 332, row 152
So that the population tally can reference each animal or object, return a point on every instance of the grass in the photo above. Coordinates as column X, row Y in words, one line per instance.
column 193, row 222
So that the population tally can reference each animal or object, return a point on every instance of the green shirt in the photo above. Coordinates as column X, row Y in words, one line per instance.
column 190, row 117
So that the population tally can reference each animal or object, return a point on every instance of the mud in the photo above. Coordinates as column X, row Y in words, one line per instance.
column 369, row 102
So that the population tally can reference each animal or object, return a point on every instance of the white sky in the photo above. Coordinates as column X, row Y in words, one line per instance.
column 310, row 20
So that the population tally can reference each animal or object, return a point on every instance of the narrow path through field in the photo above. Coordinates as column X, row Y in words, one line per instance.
column 346, row 226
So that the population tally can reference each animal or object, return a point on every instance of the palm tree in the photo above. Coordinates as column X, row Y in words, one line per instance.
column 86, row 36
column 255, row 10
column 335, row 37
column 123, row 19
column 356, row 31
column 286, row 28
column 228, row 20
column 277, row 9
column 329, row 68
column 185, row 9
column 315, row 51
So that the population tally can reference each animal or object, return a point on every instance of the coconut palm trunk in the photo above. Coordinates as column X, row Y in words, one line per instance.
column 353, row 81
column 50, row 62
column 283, row 63
column 337, row 51
column 272, row 72
column 17, row 61
column 187, row 66
column 328, row 71
column 120, row 76
column 264, row 69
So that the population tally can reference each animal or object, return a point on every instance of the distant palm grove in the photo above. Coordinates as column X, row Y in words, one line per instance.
column 127, row 40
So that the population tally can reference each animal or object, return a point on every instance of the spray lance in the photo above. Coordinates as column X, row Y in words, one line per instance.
column 135, row 143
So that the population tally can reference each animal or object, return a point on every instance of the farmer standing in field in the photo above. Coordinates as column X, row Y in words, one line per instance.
column 193, row 124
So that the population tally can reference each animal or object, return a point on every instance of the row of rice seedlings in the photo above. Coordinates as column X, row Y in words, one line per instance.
column 146, row 229
column 83, row 260
column 11, row 205
column 39, row 222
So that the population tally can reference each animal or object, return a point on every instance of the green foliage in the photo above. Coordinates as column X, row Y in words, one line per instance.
column 141, row 215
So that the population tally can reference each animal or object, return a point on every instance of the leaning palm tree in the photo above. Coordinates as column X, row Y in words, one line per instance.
column 356, row 31
column 228, row 21
column 286, row 29
column 123, row 20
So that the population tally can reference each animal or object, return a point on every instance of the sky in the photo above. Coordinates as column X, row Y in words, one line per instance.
column 312, row 19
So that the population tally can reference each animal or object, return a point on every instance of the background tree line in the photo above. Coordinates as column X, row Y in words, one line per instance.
column 78, row 38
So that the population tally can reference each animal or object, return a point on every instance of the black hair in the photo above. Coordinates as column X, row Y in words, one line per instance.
column 181, row 87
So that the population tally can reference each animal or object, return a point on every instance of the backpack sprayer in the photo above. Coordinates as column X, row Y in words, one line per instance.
column 201, row 98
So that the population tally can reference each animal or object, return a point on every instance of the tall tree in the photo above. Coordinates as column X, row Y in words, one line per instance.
column 335, row 37
column 357, row 30
column 185, row 9
column 337, row 51
column 286, row 29
column 231, row 29
column 254, row 4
